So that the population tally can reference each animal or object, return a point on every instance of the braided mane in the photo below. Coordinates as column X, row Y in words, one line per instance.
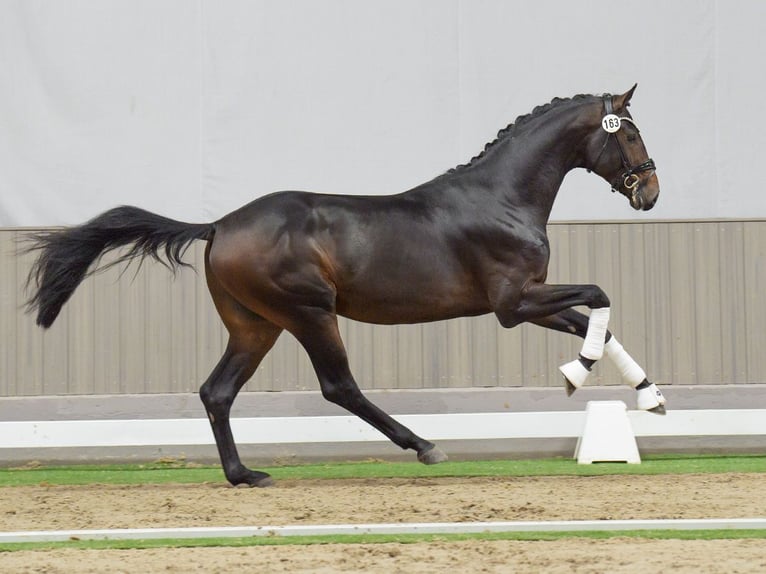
column 520, row 121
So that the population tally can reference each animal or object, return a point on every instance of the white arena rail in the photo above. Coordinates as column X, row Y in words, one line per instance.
column 330, row 429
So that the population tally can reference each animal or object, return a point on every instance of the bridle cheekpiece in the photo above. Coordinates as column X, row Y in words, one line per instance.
column 611, row 124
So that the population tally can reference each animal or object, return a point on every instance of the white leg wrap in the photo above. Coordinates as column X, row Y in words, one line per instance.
column 593, row 346
column 575, row 373
column 649, row 398
column 633, row 374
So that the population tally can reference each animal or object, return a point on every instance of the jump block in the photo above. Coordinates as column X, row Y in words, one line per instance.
column 607, row 435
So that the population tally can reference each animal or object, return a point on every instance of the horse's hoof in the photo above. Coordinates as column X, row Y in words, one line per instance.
column 433, row 455
column 264, row 482
column 650, row 399
column 575, row 375
column 253, row 479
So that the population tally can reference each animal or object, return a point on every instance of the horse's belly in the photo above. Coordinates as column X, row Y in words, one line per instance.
column 397, row 307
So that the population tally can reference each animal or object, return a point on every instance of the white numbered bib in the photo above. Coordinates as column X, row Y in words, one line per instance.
column 610, row 123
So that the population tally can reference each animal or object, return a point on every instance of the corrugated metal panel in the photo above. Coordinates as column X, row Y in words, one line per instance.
column 754, row 289
column 731, row 241
column 687, row 303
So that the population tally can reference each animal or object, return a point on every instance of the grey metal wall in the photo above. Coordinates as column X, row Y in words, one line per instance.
column 688, row 303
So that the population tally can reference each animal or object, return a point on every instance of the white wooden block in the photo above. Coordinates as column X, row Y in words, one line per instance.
column 607, row 435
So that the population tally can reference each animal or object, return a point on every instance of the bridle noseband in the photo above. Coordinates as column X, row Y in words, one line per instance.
column 628, row 178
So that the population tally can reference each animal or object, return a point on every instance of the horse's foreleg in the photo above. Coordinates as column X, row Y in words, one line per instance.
column 649, row 397
column 320, row 337
column 577, row 371
column 570, row 321
column 537, row 301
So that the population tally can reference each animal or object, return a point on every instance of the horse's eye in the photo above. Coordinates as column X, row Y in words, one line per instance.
column 632, row 137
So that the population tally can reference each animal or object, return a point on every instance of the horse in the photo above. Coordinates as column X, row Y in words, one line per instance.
column 471, row 241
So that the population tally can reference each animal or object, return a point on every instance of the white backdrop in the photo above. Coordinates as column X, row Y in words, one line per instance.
column 191, row 109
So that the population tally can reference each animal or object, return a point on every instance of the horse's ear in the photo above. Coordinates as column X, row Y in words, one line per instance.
column 624, row 100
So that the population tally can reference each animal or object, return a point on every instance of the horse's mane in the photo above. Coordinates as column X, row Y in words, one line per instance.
column 508, row 130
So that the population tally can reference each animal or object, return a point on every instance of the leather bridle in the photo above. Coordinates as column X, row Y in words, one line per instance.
column 628, row 178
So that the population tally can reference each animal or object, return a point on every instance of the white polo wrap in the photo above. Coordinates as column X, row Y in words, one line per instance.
column 575, row 372
column 649, row 398
column 593, row 346
column 633, row 374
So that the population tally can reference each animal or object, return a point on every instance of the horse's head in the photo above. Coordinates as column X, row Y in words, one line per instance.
column 616, row 152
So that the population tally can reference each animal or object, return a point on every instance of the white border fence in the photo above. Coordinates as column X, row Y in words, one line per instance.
column 330, row 429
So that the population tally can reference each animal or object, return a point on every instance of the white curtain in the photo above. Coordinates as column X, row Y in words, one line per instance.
column 191, row 109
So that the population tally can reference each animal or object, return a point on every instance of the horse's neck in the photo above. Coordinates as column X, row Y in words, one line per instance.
column 528, row 169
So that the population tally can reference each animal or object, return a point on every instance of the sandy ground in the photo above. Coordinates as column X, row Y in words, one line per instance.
column 396, row 500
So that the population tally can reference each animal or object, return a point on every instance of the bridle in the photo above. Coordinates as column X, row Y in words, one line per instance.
column 628, row 178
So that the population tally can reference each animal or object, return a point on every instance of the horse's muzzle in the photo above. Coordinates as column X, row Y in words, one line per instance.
column 646, row 195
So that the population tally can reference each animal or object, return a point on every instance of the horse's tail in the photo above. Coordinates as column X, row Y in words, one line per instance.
column 66, row 255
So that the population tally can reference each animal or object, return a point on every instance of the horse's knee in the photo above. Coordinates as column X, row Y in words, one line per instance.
column 508, row 319
column 598, row 298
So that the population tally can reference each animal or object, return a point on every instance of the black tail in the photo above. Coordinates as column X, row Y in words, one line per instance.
column 66, row 255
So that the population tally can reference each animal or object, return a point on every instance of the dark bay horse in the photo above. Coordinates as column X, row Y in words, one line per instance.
column 471, row 241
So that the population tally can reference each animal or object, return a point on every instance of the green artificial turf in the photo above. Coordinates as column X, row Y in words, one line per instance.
column 181, row 472
column 381, row 539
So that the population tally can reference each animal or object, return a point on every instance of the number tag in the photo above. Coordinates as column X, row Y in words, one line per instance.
column 611, row 123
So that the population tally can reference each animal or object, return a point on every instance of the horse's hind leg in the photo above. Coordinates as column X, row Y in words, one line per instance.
column 318, row 332
column 237, row 365
column 250, row 338
column 649, row 397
